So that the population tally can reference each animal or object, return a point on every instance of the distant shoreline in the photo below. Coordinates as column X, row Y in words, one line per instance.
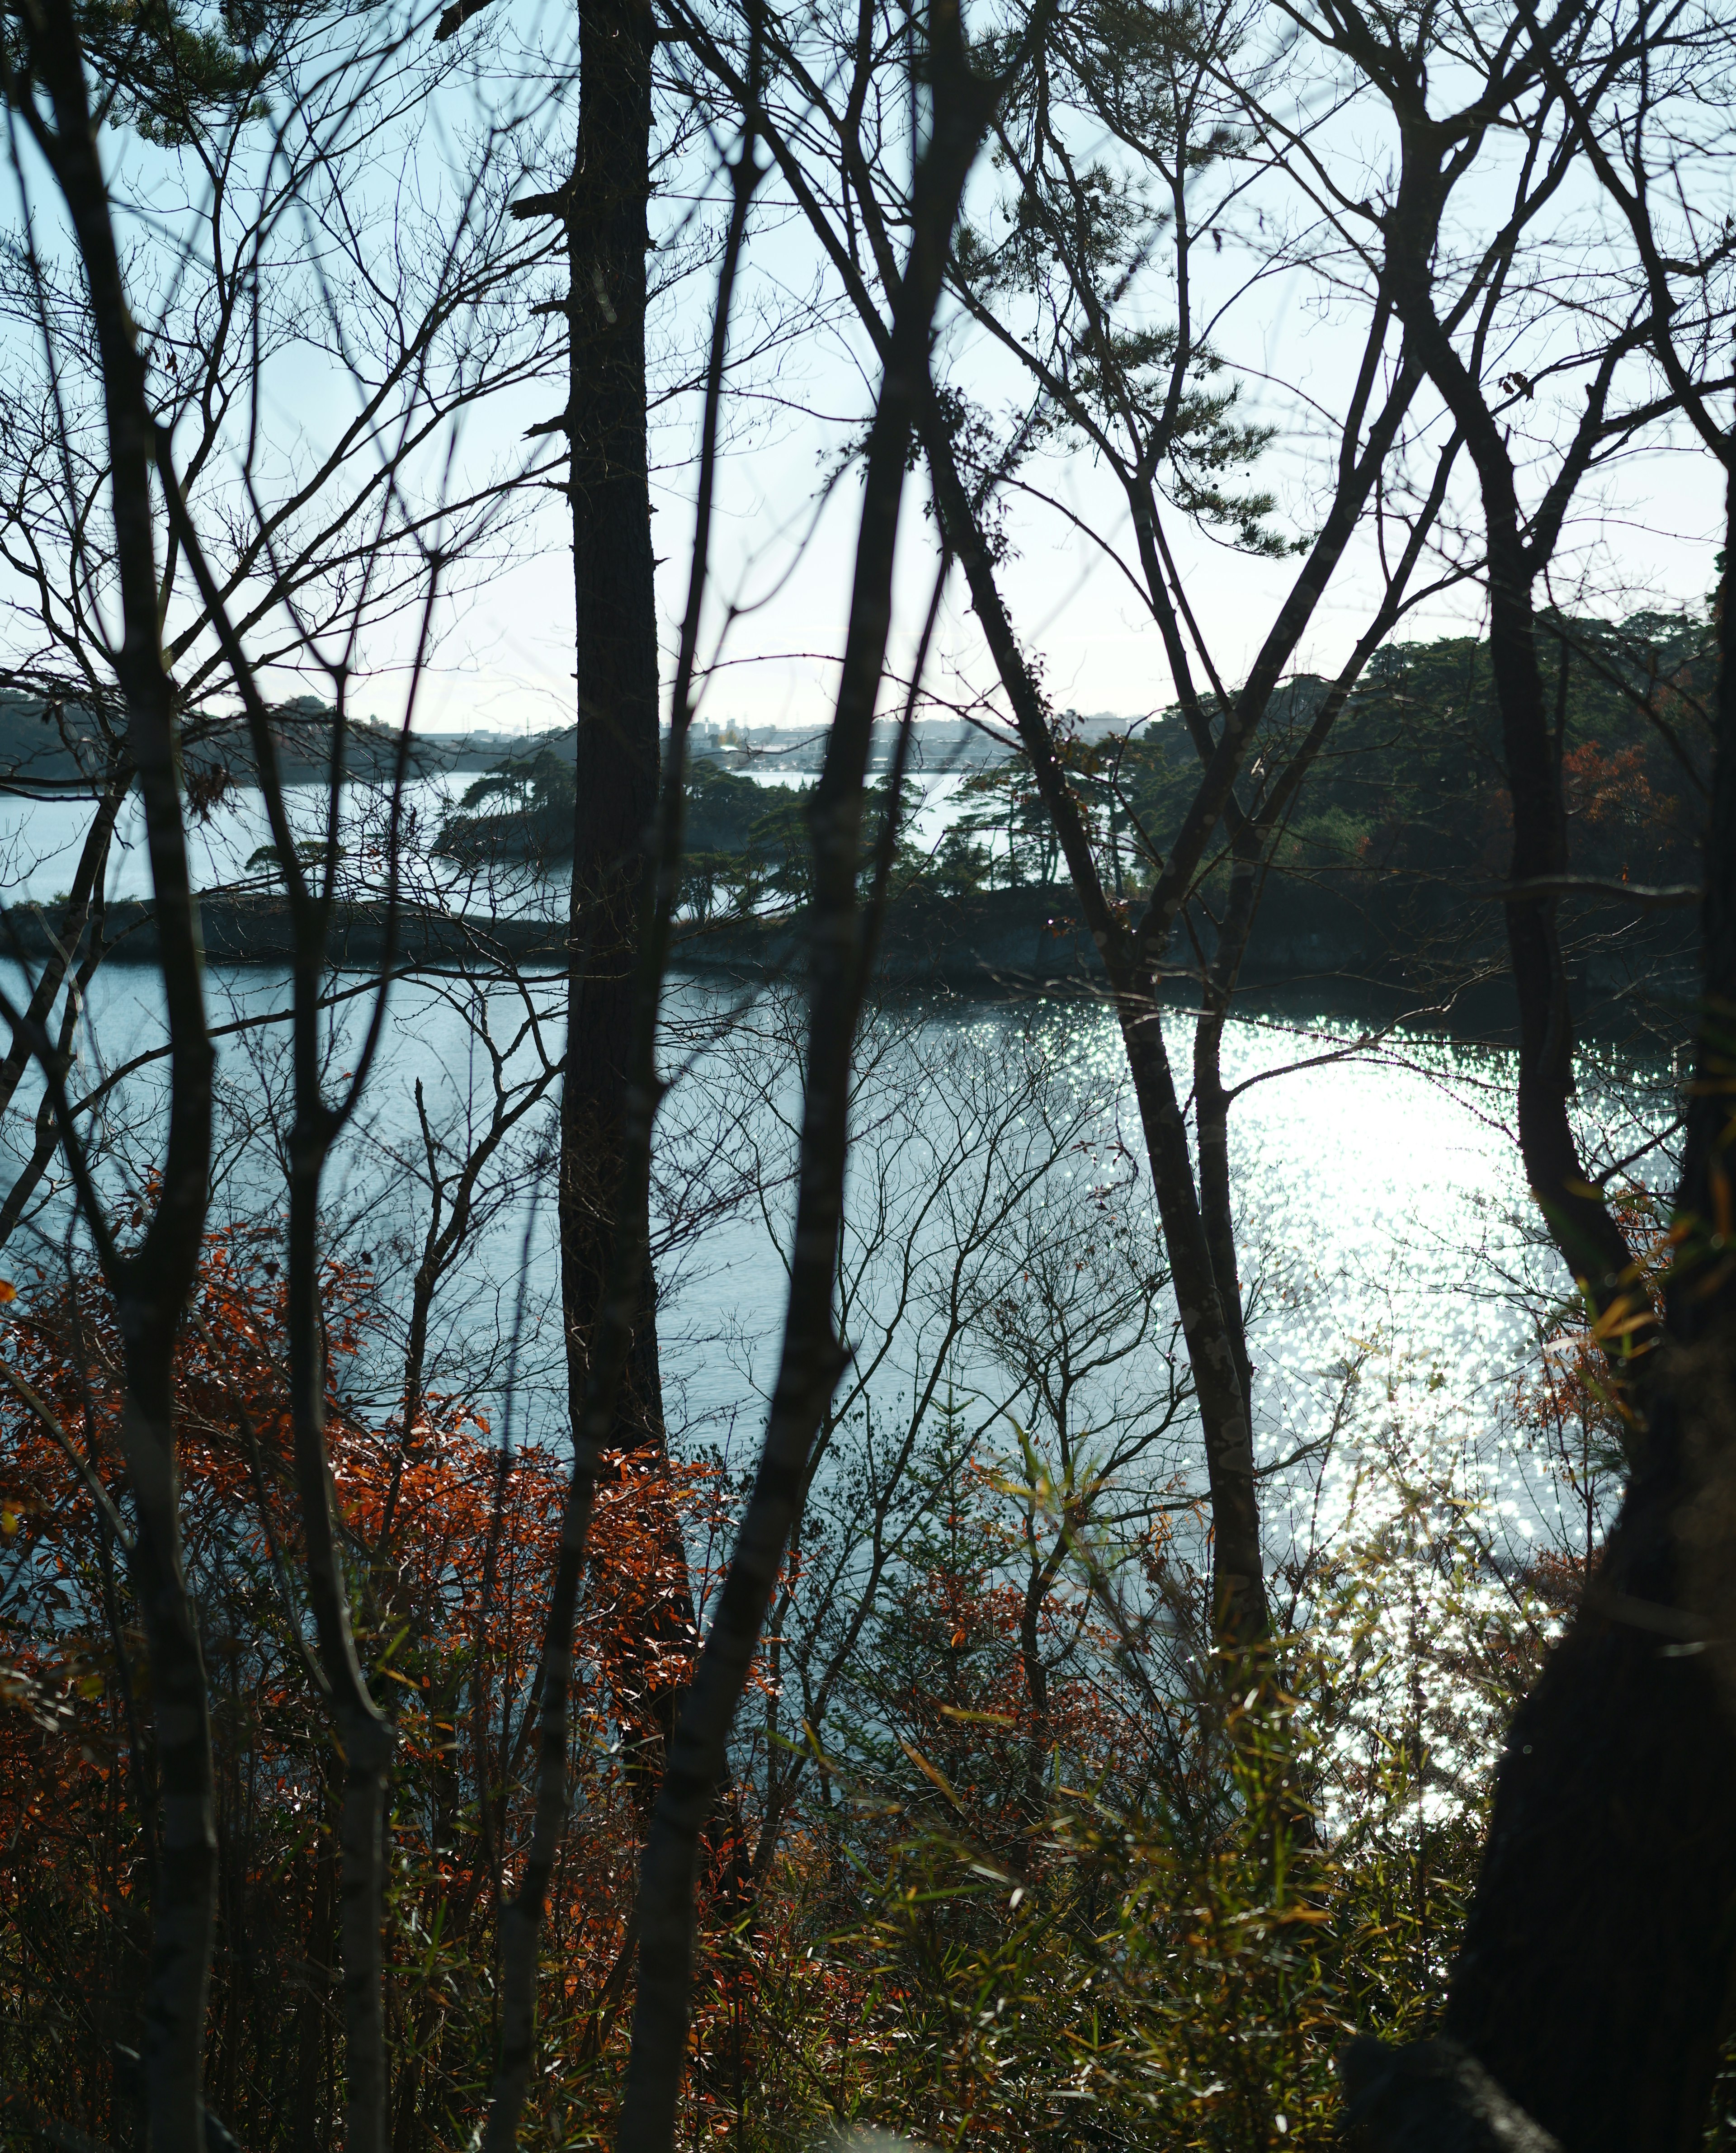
column 1002, row 944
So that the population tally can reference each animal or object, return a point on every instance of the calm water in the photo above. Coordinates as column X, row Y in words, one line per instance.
column 39, row 840
column 1387, row 1237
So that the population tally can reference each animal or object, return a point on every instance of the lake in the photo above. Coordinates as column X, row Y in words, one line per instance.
column 1396, row 1274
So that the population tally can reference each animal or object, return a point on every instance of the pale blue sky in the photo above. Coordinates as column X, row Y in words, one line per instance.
column 1645, row 531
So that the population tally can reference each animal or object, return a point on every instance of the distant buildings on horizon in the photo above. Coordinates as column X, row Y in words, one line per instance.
column 941, row 744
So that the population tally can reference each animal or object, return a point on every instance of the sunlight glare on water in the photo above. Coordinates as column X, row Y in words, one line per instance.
column 1387, row 1241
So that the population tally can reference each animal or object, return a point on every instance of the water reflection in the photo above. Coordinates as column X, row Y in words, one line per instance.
column 1382, row 1211
column 1395, row 1275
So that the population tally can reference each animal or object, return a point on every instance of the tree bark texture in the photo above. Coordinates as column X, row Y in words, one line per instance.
column 621, row 1299
column 1211, row 1099
column 1594, row 1980
column 839, row 942
column 1429, row 2098
column 150, row 1281
column 1583, row 1227
column 616, row 667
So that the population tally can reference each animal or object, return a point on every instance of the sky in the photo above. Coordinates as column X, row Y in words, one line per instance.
column 501, row 658
column 1643, row 531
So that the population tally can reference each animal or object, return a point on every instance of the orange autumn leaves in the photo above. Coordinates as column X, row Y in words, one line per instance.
column 450, row 1546
column 967, row 1690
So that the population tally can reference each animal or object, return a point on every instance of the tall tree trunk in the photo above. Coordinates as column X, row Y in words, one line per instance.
column 365, row 1735
column 1211, row 1099
column 619, row 1303
column 615, row 623
column 1215, row 1352
column 1584, row 1231
column 1594, row 1980
column 840, row 939
column 150, row 1279
column 315, row 2003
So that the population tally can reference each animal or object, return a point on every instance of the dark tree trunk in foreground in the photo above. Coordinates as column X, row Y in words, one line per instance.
column 1519, row 548
column 615, row 629
column 1595, row 1977
column 1594, row 1981
column 151, row 1279
column 621, row 1299
column 615, row 617
column 840, row 938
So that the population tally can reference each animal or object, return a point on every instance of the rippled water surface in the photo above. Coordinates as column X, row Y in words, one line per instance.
column 1380, row 1206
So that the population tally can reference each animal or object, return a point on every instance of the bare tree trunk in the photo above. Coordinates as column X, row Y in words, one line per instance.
column 362, row 1730
column 1216, row 1352
column 621, row 1301
column 603, row 209
column 1238, row 1566
column 366, row 1736
column 150, row 1282
column 1197, row 1216
column 1595, row 1979
column 840, row 944
column 311, row 2011
column 1584, row 1231
column 615, row 622
column 1211, row 1101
